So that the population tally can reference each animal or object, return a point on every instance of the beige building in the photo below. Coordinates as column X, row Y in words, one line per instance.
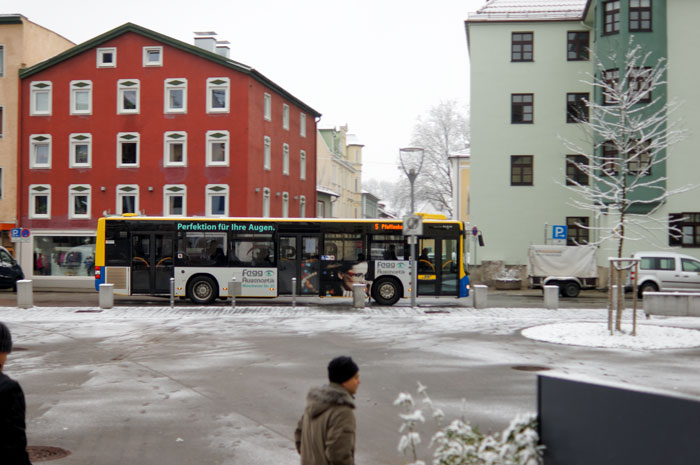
column 22, row 44
column 339, row 170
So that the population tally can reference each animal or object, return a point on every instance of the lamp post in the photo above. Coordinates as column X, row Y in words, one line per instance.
column 411, row 163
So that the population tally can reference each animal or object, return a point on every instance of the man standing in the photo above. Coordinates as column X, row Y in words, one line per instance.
column 325, row 434
column 13, row 438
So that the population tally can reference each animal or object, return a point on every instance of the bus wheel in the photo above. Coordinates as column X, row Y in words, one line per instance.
column 202, row 290
column 386, row 291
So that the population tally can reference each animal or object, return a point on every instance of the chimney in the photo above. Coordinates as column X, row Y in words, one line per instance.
column 205, row 40
column 223, row 49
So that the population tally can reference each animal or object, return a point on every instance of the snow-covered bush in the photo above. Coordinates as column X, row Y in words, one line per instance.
column 460, row 444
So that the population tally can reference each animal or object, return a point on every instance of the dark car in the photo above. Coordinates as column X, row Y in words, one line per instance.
column 10, row 271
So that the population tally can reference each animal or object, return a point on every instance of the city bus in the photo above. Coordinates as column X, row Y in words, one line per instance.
column 139, row 256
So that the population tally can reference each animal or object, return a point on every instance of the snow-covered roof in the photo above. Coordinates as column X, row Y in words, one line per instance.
column 516, row 10
column 324, row 190
column 352, row 139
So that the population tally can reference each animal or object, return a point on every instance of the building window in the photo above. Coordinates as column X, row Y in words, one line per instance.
column 267, row 154
column 217, row 148
column 267, row 107
column 176, row 95
column 153, row 56
column 611, row 82
column 577, row 45
column 127, row 198
column 639, row 159
column 2, row 183
column 217, row 200
column 2, row 121
column 175, row 148
column 302, row 124
column 302, row 165
column 521, row 170
column 577, row 230
column 107, row 57
column 40, row 201
column 266, row 202
column 174, row 200
column 576, row 108
column 576, row 170
column 285, row 159
column 640, row 83
column 40, row 151
column 218, row 95
column 128, row 96
column 128, row 150
column 611, row 17
column 40, row 98
column 2, row 60
column 285, row 116
column 320, row 209
column 610, row 160
column 522, row 108
column 521, row 48
column 81, row 97
column 80, row 150
column 285, row 204
column 640, row 15
column 79, row 201
column 684, row 229
column 302, row 206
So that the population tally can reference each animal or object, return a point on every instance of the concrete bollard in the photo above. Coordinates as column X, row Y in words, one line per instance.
column 294, row 292
column 480, row 293
column 25, row 298
column 358, row 295
column 106, row 296
column 234, row 289
column 551, row 297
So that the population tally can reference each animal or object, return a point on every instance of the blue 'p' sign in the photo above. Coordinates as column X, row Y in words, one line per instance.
column 559, row 231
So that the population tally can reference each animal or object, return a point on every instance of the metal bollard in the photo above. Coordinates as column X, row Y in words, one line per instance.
column 551, row 297
column 358, row 295
column 294, row 292
column 172, row 293
column 234, row 289
column 106, row 296
column 480, row 293
column 25, row 298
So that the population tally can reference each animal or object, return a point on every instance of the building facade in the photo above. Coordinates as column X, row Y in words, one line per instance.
column 339, row 161
column 135, row 122
column 531, row 68
column 22, row 43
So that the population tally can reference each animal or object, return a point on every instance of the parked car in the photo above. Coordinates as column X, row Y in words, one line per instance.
column 666, row 271
column 10, row 271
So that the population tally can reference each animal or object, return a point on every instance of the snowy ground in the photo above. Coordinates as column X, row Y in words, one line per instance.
column 154, row 385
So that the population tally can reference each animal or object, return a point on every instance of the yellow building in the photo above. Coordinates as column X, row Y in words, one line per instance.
column 22, row 44
column 339, row 170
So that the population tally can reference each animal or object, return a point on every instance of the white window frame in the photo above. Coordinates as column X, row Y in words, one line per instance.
column 267, row 107
column 285, row 204
column 74, row 140
column 171, row 138
column 302, row 165
column 216, row 190
column 174, row 190
column 302, row 206
column 39, row 190
column 127, row 190
column 35, row 141
column 147, row 53
column 79, row 190
column 267, row 153
column 285, row 159
column 218, row 83
column 175, row 84
column 77, row 87
column 128, row 138
column 101, row 52
column 285, row 117
column 124, row 85
column 266, row 202
column 302, row 124
column 215, row 137
column 37, row 88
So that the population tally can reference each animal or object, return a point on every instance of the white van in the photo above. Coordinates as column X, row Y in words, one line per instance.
column 666, row 271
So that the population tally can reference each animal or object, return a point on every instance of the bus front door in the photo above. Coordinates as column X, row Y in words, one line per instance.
column 151, row 263
column 299, row 258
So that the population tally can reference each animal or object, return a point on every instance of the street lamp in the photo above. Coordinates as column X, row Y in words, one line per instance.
column 411, row 163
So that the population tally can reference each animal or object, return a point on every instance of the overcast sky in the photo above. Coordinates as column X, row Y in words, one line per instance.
column 375, row 65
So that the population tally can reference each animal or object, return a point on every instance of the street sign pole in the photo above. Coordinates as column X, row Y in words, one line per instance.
column 412, row 240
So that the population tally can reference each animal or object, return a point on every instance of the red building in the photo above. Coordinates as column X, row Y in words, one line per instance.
column 133, row 121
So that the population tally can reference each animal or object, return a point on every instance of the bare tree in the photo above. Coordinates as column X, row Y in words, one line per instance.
column 394, row 194
column 443, row 131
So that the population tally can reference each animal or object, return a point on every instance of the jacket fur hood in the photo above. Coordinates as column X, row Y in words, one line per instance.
column 322, row 398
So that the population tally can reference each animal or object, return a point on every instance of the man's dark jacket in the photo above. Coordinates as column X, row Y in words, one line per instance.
column 13, row 437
